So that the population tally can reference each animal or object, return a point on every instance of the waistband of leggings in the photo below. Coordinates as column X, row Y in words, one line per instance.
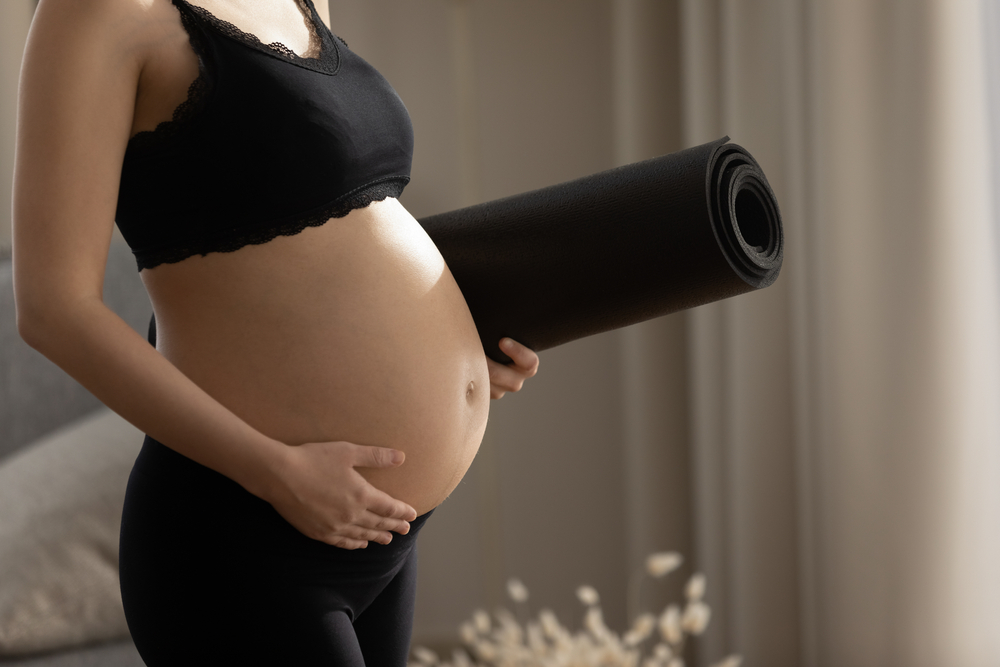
column 156, row 459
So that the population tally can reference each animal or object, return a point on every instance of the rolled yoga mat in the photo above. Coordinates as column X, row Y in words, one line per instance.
column 613, row 249
column 619, row 247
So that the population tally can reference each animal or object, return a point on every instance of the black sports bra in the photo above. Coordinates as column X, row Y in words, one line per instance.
column 267, row 144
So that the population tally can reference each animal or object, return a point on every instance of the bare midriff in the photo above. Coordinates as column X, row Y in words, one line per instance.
column 354, row 330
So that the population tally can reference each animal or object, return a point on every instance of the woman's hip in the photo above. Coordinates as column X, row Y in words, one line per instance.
column 182, row 517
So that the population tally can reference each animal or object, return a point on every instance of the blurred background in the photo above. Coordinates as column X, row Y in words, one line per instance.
column 827, row 451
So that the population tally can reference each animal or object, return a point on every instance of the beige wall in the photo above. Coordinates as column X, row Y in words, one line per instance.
column 15, row 16
column 582, row 473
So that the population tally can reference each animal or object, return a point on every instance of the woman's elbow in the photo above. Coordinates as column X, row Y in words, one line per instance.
column 30, row 323
column 40, row 318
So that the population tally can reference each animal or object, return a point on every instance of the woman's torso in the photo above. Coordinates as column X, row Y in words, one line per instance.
column 352, row 330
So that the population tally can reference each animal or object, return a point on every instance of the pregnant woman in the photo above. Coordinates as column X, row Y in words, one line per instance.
column 318, row 385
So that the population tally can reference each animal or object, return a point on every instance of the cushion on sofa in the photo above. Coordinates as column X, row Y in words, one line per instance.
column 60, row 513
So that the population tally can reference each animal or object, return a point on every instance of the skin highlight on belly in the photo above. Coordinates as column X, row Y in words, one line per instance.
column 354, row 330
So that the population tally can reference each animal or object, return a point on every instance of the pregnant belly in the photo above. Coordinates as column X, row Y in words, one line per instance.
column 354, row 331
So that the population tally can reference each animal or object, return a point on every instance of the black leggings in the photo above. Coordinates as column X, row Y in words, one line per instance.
column 213, row 575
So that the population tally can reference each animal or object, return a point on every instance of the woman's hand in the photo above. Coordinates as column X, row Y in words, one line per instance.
column 510, row 377
column 321, row 493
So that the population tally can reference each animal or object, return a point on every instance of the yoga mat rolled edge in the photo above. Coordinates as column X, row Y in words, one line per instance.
column 615, row 248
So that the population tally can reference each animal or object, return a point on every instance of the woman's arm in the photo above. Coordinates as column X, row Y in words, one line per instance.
column 78, row 86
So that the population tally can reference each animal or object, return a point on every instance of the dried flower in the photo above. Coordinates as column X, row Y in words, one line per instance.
column 425, row 656
column 485, row 650
column 662, row 652
column 670, row 625
column 594, row 622
column 696, row 617
column 467, row 632
column 481, row 621
column 695, row 589
column 641, row 629
column 460, row 658
column 510, row 631
column 588, row 595
column 663, row 563
column 550, row 624
column 676, row 662
column 536, row 638
column 517, row 591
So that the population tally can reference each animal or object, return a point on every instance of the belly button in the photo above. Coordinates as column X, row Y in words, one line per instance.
column 470, row 390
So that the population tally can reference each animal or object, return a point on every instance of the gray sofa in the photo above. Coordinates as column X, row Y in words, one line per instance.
column 37, row 398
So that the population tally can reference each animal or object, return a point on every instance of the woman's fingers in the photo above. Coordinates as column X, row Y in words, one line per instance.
column 375, row 521
column 365, row 534
column 525, row 359
column 347, row 543
column 366, row 456
column 390, row 510
column 379, row 502
column 370, row 528
column 510, row 377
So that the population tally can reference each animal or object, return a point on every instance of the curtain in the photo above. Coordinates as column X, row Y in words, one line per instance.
column 845, row 423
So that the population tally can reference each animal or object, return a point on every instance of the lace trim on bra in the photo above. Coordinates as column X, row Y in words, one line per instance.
column 197, row 95
column 236, row 239
column 327, row 61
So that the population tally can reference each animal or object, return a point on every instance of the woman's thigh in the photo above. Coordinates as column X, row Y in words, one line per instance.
column 384, row 628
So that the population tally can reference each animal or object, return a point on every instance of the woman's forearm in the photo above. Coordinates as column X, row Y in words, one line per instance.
column 104, row 354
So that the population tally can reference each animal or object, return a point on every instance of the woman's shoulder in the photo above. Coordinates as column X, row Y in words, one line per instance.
column 120, row 27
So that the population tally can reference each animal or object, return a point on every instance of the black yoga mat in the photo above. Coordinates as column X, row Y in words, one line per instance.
column 615, row 248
